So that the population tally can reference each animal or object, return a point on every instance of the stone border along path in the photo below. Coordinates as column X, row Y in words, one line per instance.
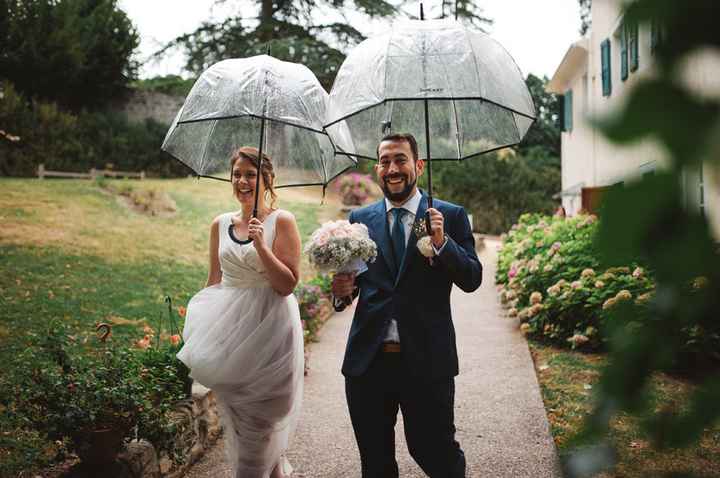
column 499, row 413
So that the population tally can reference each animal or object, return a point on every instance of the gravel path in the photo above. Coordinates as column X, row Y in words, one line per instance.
column 501, row 421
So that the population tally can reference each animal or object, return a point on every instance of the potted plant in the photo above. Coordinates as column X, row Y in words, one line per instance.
column 93, row 397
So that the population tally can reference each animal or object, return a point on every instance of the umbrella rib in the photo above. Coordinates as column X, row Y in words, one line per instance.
column 434, row 98
column 508, row 145
column 205, row 147
column 472, row 51
column 217, row 118
column 457, row 122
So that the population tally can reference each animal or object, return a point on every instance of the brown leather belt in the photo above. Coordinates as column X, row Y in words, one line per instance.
column 391, row 347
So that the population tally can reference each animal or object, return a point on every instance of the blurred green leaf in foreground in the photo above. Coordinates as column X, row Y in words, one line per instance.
column 648, row 220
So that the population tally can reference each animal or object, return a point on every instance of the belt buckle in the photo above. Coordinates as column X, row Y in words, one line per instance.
column 391, row 347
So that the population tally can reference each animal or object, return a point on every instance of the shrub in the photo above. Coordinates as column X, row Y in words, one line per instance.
column 552, row 281
column 355, row 188
column 59, row 388
column 550, row 277
column 73, row 142
column 496, row 188
column 311, row 300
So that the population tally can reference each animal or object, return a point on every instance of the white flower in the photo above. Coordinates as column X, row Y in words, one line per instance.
column 337, row 244
column 424, row 245
column 578, row 339
column 623, row 295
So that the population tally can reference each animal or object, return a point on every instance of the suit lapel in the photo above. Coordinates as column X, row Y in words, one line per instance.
column 411, row 248
column 378, row 226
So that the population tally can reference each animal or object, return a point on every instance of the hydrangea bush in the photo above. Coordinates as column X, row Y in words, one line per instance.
column 550, row 278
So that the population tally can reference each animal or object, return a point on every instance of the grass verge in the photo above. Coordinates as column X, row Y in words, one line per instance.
column 566, row 381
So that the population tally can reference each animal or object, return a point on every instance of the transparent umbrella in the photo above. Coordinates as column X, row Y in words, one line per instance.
column 456, row 90
column 276, row 106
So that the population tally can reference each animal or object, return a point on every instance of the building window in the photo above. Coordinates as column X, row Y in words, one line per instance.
column 628, row 49
column 567, row 111
column 656, row 35
column 631, row 30
column 647, row 169
column 623, row 53
column 605, row 59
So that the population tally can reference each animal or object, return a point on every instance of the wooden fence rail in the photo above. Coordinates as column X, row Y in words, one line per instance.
column 92, row 174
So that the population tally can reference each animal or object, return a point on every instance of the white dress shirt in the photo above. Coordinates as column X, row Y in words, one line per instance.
column 411, row 206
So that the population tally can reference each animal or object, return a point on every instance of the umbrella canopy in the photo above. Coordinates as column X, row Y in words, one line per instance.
column 437, row 80
column 276, row 106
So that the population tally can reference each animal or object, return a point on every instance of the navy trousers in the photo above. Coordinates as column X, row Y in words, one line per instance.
column 427, row 408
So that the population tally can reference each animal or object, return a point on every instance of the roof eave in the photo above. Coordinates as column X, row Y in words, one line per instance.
column 574, row 59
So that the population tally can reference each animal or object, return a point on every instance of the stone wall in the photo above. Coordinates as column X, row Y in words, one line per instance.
column 141, row 105
column 198, row 429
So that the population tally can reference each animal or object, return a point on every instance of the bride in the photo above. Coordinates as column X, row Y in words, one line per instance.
column 243, row 335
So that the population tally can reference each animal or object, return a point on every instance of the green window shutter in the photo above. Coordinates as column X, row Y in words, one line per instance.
column 623, row 52
column 568, row 111
column 632, row 35
column 654, row 35
column 605, row 59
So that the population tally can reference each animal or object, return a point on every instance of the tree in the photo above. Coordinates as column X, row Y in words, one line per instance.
column 291, row 31
column 585, row 17
column 545, row 132
column 73, row 52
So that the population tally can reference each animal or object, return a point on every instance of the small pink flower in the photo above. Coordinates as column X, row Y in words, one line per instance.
column 175, row 339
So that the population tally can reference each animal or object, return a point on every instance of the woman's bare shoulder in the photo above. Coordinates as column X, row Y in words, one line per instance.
column 285, row 217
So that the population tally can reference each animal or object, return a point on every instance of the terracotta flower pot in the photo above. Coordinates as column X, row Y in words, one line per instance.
column 99, row 447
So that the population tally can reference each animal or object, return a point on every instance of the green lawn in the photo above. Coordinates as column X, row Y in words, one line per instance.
column 566, row 382
column 74, row 252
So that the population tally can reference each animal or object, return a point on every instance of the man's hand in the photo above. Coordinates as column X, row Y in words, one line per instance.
column 437, row 226
column 343, row 284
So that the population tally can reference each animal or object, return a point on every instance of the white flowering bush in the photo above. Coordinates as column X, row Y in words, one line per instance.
column 338, row 246
column 549, row 276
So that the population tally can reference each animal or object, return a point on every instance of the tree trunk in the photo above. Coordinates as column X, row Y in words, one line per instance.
column 266, row 19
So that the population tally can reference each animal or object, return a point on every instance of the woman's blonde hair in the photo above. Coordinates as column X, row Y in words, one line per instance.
column 268, row 174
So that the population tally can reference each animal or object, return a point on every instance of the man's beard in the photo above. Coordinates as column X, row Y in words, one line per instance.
column 401, row 195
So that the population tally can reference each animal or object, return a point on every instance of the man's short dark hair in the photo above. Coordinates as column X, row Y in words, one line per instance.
column 400, row 138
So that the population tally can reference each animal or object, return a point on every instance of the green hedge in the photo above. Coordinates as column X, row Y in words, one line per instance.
column 77, row 142
column 550, row 278
column 496, row 188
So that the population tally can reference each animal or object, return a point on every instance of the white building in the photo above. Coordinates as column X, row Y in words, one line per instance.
column 593, row 78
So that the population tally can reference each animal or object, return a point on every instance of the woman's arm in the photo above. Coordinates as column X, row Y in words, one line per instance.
column 282, row 262
column 214, row 272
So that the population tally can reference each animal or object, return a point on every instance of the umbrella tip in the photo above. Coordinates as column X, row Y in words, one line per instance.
column 422, row 12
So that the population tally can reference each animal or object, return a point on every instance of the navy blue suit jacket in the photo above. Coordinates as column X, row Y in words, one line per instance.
column 417, row 297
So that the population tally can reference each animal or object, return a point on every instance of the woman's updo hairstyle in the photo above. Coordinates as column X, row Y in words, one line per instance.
column 268, row 175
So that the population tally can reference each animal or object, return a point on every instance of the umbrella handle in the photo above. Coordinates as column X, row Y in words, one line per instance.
column 428, row 228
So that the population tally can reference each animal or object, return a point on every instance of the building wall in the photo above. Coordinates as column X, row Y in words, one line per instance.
column 587, row 157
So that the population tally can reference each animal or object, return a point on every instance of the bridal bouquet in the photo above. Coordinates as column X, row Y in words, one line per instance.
column 338, row 246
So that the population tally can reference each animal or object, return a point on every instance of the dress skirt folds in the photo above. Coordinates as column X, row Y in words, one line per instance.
column 245, row 342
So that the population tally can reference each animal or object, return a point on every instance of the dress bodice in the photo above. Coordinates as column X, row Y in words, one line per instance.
column 240, row 263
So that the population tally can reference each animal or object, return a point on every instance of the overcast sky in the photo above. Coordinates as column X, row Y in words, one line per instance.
column 537, row 33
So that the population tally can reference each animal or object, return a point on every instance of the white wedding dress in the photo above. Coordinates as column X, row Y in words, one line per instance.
column 244, row 341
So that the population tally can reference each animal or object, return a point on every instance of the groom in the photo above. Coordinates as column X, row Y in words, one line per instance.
column 401, row 351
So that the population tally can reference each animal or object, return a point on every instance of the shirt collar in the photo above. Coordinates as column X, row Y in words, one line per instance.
column 411, row 205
